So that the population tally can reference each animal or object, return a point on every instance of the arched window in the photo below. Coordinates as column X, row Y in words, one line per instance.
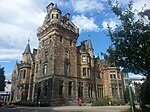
column 44, row 69
column 52, row 16
column 57, row 16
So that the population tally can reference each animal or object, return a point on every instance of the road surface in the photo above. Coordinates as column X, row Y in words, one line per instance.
column 65, row 109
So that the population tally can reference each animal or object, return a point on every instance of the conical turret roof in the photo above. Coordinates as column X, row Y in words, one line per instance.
column 27, row 49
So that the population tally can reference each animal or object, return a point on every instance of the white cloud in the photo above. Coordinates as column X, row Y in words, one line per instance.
column 83, row 6
column 137, row 4
column 84, row 23
column 111, row 22
column 9, row 54
column 18, row 21
column 133, row 76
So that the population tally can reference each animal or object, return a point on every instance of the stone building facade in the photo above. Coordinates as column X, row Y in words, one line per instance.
column 58, row 71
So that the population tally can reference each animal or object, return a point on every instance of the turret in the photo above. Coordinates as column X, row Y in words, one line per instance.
column 55, row 14
column 26, row 58
column 27, row 50
column 90, row 48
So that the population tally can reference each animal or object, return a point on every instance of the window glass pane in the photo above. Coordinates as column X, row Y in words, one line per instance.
column 84, row 71
column 60, row 87
column 66, row 69
column 69, row 88
column 60, row 38
column 45, row 69
column 24, row 74
column 112, row 74
column 84, row 59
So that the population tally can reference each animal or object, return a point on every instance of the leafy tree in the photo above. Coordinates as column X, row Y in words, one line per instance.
column 145, row 92
column 130, row 47
column 2, row 79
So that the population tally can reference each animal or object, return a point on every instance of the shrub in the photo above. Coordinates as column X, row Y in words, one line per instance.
column 29, row 103
column 117, row 102
column 25, row 103
column 102, row 101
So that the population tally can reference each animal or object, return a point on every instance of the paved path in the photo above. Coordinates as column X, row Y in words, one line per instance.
column 65, row 109
column 93, row 109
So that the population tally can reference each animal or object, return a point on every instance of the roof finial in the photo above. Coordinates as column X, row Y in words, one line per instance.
column 28, row 40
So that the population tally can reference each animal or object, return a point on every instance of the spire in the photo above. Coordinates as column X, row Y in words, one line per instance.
column 27, row 49
column 90, row 43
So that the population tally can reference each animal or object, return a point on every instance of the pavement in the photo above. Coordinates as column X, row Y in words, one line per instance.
column 65, row 109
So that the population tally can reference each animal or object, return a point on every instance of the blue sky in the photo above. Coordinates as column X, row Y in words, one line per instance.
column 20, row 19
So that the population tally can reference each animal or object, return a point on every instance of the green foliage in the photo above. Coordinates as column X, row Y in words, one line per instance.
column 117, row 102
column 130, row 47
column 2, row 79
column 29, row 103
column 25, row 103
column 104, row 101
column 145, row 92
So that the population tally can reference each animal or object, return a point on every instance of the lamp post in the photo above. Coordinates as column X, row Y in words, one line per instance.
column 132, row 105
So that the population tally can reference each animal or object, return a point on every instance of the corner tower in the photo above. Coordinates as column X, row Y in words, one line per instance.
column 56, row 61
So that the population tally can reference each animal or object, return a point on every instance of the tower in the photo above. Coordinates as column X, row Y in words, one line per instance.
column 56, row 60
column 25, row 77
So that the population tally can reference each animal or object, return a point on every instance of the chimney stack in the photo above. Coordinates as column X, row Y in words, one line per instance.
column 67, row 16
column 50, row 7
